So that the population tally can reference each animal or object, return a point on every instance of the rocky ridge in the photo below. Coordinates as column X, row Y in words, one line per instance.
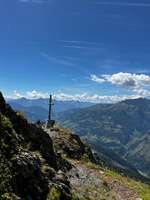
column 37, row 164
column 89, row 179
column 28, row 164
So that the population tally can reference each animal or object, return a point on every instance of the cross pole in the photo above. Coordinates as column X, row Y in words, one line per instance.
column 50, row 122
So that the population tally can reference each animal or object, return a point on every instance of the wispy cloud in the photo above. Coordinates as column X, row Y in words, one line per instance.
column 80, row 42
column 34, row 1
column 70, row 58
column 75, row 47
column 58, row 60
column 123, row 4
column 89, row 48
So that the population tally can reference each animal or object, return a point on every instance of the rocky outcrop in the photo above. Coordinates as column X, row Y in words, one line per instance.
column 70, row 145
column 28, row 164
column 37, row 164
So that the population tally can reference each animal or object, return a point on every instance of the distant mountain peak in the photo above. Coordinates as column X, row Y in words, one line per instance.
column 121, row 127
column 136, row 100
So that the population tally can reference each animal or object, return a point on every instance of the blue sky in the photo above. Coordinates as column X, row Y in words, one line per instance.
column 57, row 46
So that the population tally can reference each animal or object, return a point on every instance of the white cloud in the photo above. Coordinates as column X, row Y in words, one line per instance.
column 138, row 84
column 124, row 79
column 68, row 97
column 97, row 79
column 29, row 95
column 84, row 97
column 93, row 98
column 142, row 92
column 36, row 95
column 16, row 95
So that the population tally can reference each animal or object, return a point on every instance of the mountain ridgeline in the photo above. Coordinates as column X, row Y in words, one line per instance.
column 28, row 163
column 122, row 128
column 37, row 109
column 37, row 163
column 119, row 132
column 34, row 160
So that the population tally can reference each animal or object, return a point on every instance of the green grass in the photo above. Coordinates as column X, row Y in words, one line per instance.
column 54, row 194
column 143, row 190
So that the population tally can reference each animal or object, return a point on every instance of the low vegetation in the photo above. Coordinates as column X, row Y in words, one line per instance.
column 143, row 190
column 55, row 165
column 122, row 128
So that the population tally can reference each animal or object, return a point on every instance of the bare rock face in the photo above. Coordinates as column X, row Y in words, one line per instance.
column 70, row 145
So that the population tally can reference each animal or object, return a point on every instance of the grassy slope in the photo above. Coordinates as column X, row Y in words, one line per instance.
column 123, row 128
column 143, row 190
column 95, row 182
column 120, row 186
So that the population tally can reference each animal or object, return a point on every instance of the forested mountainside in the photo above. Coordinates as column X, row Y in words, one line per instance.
column 54, row 164
column 122, row 128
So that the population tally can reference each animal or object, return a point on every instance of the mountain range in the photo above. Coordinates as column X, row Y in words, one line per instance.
column 37, row 109
column 119, row 133
column 122, row 128
column 54, row 164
